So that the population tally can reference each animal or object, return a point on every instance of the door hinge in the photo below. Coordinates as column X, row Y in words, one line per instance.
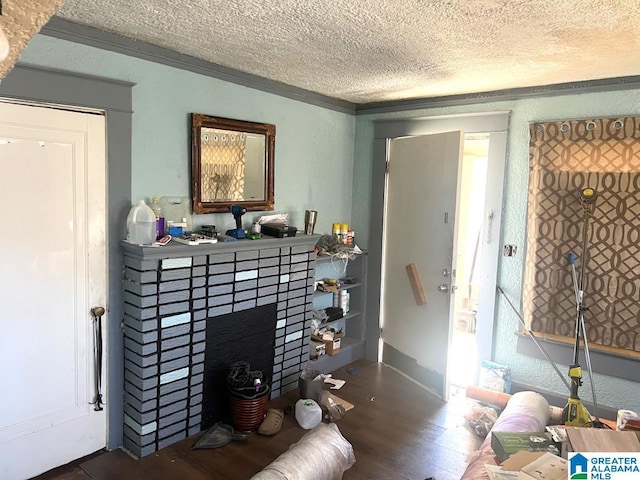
column 446, row 217
column 380, row 332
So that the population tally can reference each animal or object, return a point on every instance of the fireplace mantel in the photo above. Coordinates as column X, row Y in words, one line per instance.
column 171, row 291
column 175, row 249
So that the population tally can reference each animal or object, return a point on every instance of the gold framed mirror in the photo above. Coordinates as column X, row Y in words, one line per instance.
column 232, row 164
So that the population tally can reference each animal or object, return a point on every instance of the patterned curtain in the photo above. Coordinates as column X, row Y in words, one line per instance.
column 223, row 155
column 565, row 158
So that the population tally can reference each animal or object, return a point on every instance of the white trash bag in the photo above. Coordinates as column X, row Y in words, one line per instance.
column 322, row 454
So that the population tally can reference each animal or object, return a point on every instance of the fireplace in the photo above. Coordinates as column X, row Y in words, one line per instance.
column 175, row 295
column 226, row 344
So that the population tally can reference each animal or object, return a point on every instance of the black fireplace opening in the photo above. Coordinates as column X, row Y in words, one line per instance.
column 248, row 336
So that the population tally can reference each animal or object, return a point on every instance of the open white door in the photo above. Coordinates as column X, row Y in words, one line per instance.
column 419, row 229
column 52, row 273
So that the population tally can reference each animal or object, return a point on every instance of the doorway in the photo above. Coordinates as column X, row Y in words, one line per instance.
column 53, row 273
column 419, row 238
column 463, row 351
column 57, row 87
column 443, row 284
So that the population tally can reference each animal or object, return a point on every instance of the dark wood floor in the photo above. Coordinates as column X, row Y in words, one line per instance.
column 398, row 431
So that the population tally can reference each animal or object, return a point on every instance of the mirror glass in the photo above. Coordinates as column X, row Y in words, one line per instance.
column 233, row 164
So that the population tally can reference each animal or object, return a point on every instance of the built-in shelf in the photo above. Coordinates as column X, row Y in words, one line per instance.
column 352, row 345
column 346, row 286
column 351, row 349
column 347, row 316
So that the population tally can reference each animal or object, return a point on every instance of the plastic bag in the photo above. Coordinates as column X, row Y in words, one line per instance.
column 481, row 419
column 322, row 454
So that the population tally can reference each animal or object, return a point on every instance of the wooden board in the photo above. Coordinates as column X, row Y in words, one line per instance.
column 416, row 284
column 602, row 440
column 339, row 401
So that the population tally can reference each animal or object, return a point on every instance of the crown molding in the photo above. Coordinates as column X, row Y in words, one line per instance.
column 74, row 32
column 570, row 88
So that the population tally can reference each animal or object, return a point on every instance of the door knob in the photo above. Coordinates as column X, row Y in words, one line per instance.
column 443, row 288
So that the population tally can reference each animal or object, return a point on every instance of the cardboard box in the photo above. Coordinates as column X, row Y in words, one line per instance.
column 331, row 345
column 560, row 437
column 505, row 444
column 519, row 460
column 547, row 467
column 316, row 349
column 494, row 376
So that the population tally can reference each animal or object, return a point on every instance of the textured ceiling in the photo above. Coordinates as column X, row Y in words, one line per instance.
column 20, row 21
column 379, row 50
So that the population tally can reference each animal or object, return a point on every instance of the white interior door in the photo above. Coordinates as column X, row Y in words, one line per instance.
column 52, row 273
column 419, row 229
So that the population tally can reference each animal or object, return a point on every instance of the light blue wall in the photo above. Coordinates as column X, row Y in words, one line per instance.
column 314, row 145
column 316, row 167
column 612, row 392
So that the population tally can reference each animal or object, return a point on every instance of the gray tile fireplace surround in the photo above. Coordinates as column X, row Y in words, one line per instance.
column 171, row 291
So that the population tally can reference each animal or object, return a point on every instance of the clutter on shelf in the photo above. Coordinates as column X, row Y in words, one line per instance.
column 310, row 218
column 141, row 225
column 343, row 234
column 339, row 301
column 277, row 230
column 328, row 285
column 195, row 239
column 330, row 338
column 331, row 246
column 276, row 218
column 326, row 315
column 316, row 349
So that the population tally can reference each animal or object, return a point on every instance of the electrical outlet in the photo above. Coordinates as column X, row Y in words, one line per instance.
column 510, row 250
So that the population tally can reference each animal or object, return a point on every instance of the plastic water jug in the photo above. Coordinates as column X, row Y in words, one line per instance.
column 141, row 224
column 308, row 413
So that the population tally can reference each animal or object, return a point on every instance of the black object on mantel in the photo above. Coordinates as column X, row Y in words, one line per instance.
column 278, row 230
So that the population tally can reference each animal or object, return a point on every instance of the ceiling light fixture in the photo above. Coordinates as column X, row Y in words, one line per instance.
column 5, row 48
